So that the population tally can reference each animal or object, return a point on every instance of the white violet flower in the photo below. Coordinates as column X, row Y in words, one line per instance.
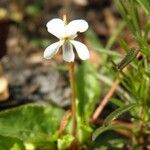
column 66, row 34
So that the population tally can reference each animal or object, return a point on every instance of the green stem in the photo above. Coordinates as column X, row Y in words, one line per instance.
column 73, row 99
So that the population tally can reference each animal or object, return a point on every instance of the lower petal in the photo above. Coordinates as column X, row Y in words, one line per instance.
column 68, row 53
column 51, row 50
column 81, row 49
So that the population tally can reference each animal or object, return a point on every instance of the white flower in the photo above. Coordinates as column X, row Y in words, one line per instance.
column 66, row 34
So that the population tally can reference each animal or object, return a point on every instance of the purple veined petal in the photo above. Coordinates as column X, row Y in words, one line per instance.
column 51, row 50
column 81, row 49
column 68, row 54
column 56, row 27
column 76, row 26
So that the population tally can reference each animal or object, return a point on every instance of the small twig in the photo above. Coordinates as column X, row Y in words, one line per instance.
column 105, row 100
column 64, row 122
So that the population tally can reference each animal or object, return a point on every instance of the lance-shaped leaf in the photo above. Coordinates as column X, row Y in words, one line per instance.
column 118, row 112
column 128, row 58
column 106, row 128
column 88, row 90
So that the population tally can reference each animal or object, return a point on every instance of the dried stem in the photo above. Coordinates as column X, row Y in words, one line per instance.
column 64, row 122
column 105, row 100
column 73, row 99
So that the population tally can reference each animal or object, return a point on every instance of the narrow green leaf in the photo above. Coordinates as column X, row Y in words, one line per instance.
column 88, row 90
column 146, row 29
column 124, row 12
column 146, row 5
column 118, row 112
column 128, row 58
column 107, row 51
column 124, row 45
column 106, row 128
column 110, row 140
column 133, row 12
column 117, row 102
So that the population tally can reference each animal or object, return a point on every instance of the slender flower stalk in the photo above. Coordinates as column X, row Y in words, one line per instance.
column 73, row 99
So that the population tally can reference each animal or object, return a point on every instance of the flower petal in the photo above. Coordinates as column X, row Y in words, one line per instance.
column 51, row 50
column 68, row 53
column 76, row 26
column 81, row 49
column 56, row 27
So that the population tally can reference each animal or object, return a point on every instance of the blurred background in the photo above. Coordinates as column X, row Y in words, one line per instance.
column 25, row 75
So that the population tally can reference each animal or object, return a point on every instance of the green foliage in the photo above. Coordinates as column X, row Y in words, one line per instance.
column 8, row 143
column 88, row 90
column 112, row 116
column 96, row 45
column 128, row 58
column 129, row 11
column 115, row 34
column 84, row 131
column 33, row 10
column 110, row 140
column 93, row 39
column 137, row 83
column 31, row 123
column 134, row 91
column 65, row 141
column 40, row 43
column 146, row 5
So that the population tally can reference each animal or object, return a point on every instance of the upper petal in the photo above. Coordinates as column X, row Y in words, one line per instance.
column 81, row 49
column 56, row 27
column 51, row 50
column 68, row 53
column 76, row 26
